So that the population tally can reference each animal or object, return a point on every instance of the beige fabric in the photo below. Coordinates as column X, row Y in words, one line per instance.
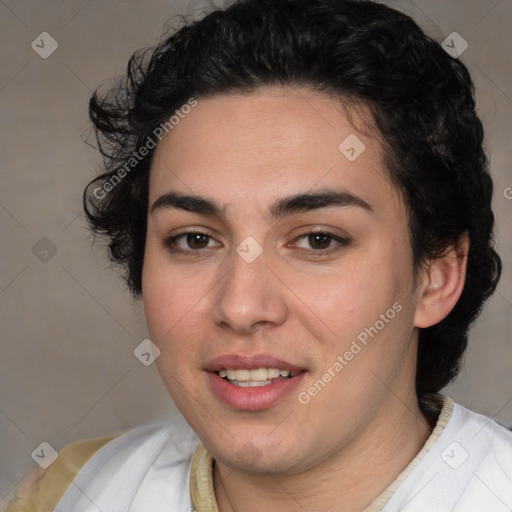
column 202, row 491
column 45, row 487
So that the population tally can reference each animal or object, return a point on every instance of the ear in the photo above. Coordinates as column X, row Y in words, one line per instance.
column 441, row 282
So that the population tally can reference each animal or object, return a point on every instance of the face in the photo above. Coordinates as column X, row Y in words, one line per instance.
column 277, row 279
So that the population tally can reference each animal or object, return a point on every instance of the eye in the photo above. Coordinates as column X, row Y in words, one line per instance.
column 191, row 241
column 323, row 242
column 317, row 243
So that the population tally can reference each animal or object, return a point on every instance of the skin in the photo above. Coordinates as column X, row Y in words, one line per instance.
column 345, row 446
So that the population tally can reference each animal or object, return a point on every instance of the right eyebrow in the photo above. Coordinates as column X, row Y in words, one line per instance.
column 189, row 203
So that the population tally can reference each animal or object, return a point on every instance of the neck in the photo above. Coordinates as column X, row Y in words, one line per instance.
column 349, row 480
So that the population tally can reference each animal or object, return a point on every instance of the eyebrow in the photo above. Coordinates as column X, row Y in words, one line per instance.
column 283, row 207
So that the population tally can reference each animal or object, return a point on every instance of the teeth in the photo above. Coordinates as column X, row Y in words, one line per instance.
column 273, row 373
column 258, row 374
column 254, row 376
column 251, row 383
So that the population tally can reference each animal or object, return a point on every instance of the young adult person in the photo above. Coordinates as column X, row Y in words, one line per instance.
column 298, row 192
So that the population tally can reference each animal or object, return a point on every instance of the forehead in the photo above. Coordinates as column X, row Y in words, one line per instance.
column 267, row 144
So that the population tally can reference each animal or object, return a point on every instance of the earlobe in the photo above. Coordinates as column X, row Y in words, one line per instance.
column 441, row 284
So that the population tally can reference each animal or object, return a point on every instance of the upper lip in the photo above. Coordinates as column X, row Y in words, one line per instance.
column 249, row 362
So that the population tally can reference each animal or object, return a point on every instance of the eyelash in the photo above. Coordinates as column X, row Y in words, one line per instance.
column 342, row 242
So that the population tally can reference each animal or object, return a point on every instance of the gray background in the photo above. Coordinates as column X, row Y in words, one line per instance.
column 68, row 326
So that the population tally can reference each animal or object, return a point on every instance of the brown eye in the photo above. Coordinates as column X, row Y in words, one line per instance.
column 197, row 240
column 319, row 240
column 192, row 243
column 319, row 243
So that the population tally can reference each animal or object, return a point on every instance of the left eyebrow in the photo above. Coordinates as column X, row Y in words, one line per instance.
column 315, row 200
column 283, row 207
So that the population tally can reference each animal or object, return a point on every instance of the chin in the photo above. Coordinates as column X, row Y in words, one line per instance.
column 265, row 463
column 257, row 453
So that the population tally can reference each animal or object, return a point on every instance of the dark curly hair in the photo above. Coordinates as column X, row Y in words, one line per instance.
column 421, row 100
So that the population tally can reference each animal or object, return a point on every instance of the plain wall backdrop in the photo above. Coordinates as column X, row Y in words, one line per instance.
column 69, row 328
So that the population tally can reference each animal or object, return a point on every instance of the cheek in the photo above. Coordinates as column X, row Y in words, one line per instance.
column 171, row 306
column 347, row 296
column 358, row 301
column 170, row 299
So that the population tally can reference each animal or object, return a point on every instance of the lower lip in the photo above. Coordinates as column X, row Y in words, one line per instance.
column 256, row 398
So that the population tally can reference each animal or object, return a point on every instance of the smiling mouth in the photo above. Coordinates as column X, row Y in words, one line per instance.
column 256, row 377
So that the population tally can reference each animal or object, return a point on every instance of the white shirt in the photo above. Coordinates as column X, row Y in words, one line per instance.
column 465, row 466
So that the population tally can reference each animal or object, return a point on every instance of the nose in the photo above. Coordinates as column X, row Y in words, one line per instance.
column 250, row 297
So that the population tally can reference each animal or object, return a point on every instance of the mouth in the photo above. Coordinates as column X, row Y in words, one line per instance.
column 253, row 383
column 257, row 377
